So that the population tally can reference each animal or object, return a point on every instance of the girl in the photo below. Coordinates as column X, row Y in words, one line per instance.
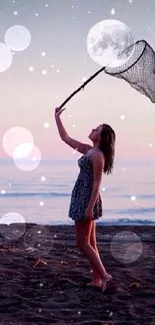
column 86, row 205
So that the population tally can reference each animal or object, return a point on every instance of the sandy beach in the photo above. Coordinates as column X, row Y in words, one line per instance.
column 43, row 277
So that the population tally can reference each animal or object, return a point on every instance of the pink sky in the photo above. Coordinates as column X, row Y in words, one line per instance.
column 105, row 99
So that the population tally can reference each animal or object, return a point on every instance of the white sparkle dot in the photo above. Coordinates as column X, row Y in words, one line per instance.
column 57, row 97
column 41, row 203
column 55, row 236
column 40, row 310
column 122, row 117
column 52, row 65
column 41, row 284
column 15, row 13
column 46, row 5
column 13, row 1
column 43, row 178
column 43, row 54
column 58, row 71
column 73, row 125
column 103, row 189
column 70, row 115
column 44, row 72
column 72, row 6
column 3, row 192
column 46, row 125
column 9, row 184
column 36, row 14
column 73, row 18
column 79, row 312
column 31, row 69
column 89, row 12
column 131, row 1
column 84, row 79
column 150, row 144
column 133, row 198
column 112, row 11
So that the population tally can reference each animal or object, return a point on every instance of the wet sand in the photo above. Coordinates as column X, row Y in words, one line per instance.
column 43, row 277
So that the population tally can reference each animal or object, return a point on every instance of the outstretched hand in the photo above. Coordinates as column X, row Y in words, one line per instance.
column 58, row 111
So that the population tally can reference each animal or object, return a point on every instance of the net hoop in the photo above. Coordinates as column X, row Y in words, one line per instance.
column 117, row 70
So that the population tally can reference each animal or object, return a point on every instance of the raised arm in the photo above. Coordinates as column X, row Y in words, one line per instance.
column 81, row 147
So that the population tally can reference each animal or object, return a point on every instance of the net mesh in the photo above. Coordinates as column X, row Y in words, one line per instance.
column 139, row 70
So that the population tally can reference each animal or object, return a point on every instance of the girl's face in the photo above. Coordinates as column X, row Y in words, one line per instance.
column 96, row 133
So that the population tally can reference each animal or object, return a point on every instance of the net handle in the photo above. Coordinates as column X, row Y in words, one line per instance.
column 81, row 87
column 96, row 74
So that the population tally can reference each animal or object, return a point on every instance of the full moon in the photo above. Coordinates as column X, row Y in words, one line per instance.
column 110, row 43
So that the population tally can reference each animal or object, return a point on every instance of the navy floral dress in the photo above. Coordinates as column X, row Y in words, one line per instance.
column 82, row 190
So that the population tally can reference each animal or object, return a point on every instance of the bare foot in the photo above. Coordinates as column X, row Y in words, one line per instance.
column 105, row 282
column 94, row 282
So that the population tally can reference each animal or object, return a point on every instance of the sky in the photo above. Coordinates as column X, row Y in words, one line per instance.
column 54, row 64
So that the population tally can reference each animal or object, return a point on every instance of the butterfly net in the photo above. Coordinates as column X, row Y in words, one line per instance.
column 138, row 70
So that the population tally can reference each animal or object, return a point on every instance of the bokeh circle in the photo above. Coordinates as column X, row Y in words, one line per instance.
column 8, row 227
column 15, row 137
column 28, row 162
column 17, row 38
column 5, row 57
column 126, row 247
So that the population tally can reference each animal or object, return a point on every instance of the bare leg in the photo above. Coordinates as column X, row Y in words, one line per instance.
column 83, row 232
column 95, row 261
column 96, row 280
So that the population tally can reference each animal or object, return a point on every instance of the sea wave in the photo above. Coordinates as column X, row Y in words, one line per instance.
column 141, row 196
column 132, row 211
column 127, row 222
column 34, row 194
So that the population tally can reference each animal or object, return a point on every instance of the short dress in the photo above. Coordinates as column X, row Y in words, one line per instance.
column 82, row 190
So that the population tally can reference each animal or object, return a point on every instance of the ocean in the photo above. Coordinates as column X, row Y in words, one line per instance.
column 43, row 195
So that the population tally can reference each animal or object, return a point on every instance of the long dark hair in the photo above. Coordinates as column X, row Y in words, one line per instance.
column 107, row 146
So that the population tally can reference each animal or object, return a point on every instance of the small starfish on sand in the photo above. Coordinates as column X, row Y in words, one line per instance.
column 64, row 262
column 4, row 247
column 39, row 261
column 135, row 285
